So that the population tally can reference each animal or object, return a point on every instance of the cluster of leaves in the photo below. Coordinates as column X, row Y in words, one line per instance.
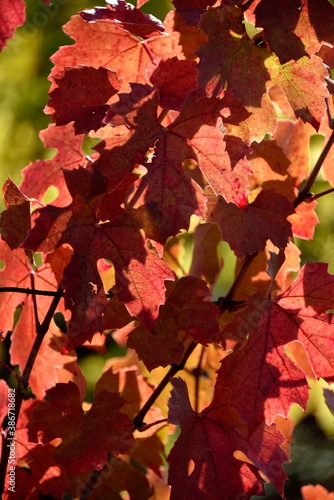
column 186, row 113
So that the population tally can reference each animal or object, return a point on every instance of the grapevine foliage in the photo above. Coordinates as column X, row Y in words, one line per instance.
column 203, row 125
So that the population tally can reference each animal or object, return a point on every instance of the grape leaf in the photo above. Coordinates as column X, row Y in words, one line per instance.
column 187, row 313
column 81, row 96
column 166, row 192
column 293, row 29
column 118, row 478
column 201, row 462
column 81, row 448
column 140, row 273
column 192, row 11
column 256, row 278
column 13, row 14
column 206, row 264
column 35, row 468
column 41, row 174
column 302, row 80
column 50, row 358
column 299, row 314
column 294, row 139
column 15, row 220
column 126, row 16
column 247, row 229
column 270, row 169
column 135, row 390
column 305, row 219
column 316, row 492
column 16, row 273
column 46, row 476
column 103, row 43
column 189, row 38
column 175, row 79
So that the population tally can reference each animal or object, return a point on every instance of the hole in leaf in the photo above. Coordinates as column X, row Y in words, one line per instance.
column 191, row 467
column 50, row 195
column 296, row 351
column 190, row 167
column 88, row 145
column 59, row 319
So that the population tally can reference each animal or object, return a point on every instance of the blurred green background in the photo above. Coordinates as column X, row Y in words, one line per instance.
column 24, row 68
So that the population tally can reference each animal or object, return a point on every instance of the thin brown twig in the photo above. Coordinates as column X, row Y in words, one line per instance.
column 139, row 418
column 41, row 330
column 305, row 192
column 93, row 479
column 46, row 293
column 320, row 195
column 227, row 303
column 197, row 372
column 32, row 282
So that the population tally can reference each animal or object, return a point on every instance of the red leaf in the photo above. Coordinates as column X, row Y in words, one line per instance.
column 174, row 79
column 206, row 264
column 140, row 273
column 270, row 169
column 247, row 230
column 202, row 464
column 81, row 96
column 166, row 192
column 299, row 314
column 294, row 139
column 186, row 313
column 104, row 43
column 50, row 358
column 316, row 492
column 15, row 220
column 301, row 27
column 126, row 16
column 82, row 448
column 192, row 10
column 13, row 14
column 302, row 80
column 39, row 175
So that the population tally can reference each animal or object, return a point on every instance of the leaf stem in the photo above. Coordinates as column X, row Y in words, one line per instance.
column 90, row 485
column 197, row 372
column 163, row 115
column 148, row 426
column 319, row 195
column 305, row 193
column 29, row 291
column 227, row 303
column 41, row 330
column 148, row 50
column 32, row 281
column 174, row 368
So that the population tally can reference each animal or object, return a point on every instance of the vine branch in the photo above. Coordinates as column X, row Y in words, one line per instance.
column 41, row 330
